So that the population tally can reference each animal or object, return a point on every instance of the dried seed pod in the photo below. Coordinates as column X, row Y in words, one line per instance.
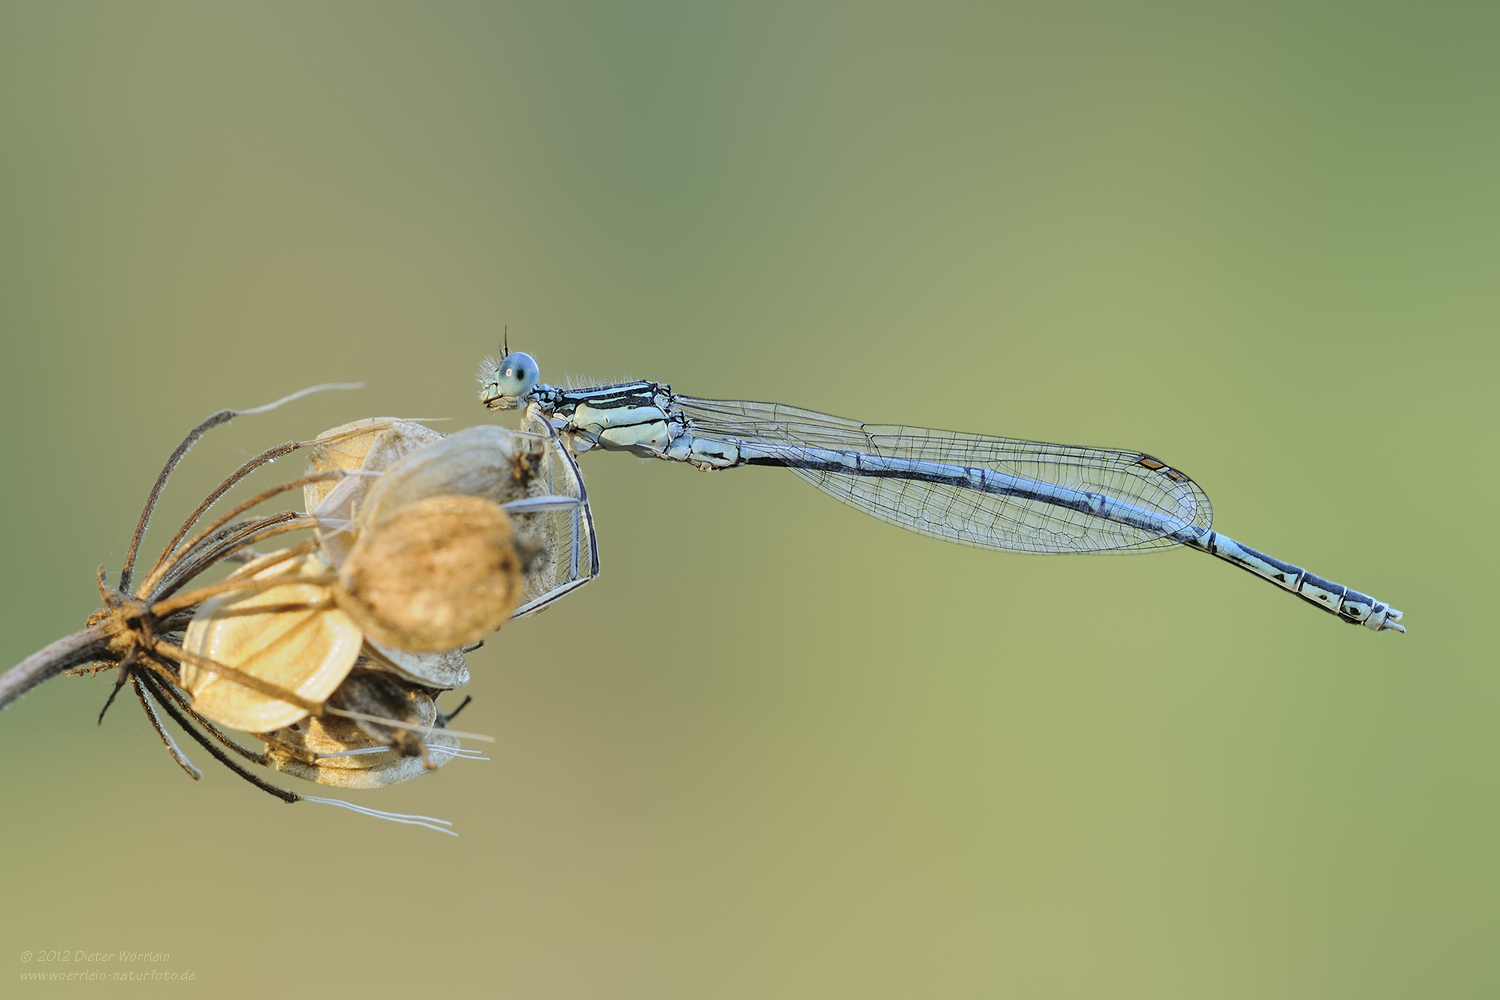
column 433, row 575
column 484, row 461
column 349, row 753
column 443, row 671
column 367, row 446
column 290, row 636
column 372, row 445
column 503, row 466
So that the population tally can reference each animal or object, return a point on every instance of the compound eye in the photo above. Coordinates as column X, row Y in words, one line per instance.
column 518, row 374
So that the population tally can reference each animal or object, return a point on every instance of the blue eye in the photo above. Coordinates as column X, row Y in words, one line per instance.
column 518, row 374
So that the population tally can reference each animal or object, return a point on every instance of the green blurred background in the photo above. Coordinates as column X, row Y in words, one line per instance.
column 780, row 749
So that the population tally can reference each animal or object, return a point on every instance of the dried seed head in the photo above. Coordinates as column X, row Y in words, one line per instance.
column 269, row 645
column 503, row 466
column 368, row 446
column 290, row 635
column 318, row 748
column 372, row 445
column 433, row 575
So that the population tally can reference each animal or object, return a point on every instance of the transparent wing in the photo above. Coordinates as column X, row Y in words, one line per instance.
column 562, row 539
column 1177, row 507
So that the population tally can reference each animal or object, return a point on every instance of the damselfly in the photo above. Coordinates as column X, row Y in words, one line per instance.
column 989, row 492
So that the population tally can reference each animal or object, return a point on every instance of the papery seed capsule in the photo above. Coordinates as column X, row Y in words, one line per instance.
column 503, row 466
column 433, row 575
column 441, row 671
column 349, row 753
column 298, row 641
column 484, row 461
column 372, row 445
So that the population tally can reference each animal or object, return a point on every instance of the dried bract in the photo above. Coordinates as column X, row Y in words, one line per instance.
column 364, row 446
column 290, row 635
column 433, row 575
column 441, row 671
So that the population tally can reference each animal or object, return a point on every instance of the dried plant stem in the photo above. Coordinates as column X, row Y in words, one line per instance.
column 222, row 417
column 161, row 730
column 182, row 601
column 49, row 661
column 265, row 457
column 181, row 655
column 213, row 730
column 125, row 666
column 283, row 794
column 235, row 537
column 166, row 565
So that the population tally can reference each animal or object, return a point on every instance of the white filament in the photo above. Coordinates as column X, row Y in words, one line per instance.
column 298, row 395
column 398, row 724
column 427, row 821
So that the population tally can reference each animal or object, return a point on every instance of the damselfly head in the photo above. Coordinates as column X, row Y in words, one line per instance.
column 505, row 383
